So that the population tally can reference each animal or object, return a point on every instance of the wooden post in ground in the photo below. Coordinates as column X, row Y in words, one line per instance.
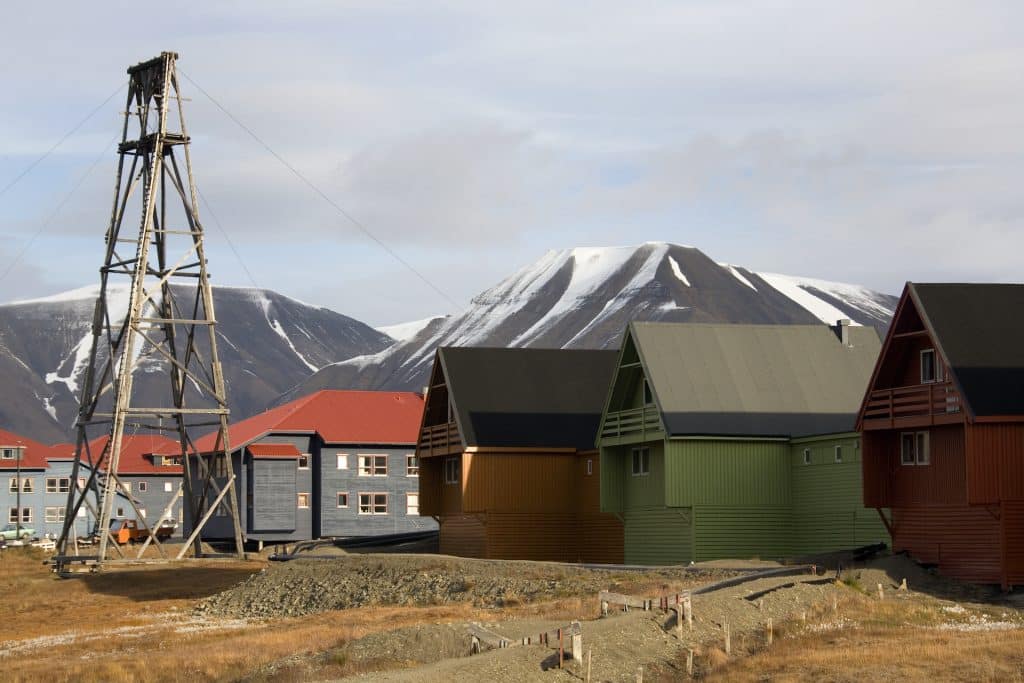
column 903, row 585
column 803, row 616
column 689, row 663
column 577, row 648
column 640, row 674
column 881, row 593
column 590, row 658
column 835, row 602
column 728, row 640
column 561, row 648
column 604, row 608
column 688, row 609
column 770, row 632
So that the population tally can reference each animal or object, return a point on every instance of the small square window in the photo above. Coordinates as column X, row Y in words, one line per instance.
column 342, row 499
column 168, row 487
column 51, row 484
column 590, row 466
column 143, row 487
column 303, row 462
column 908, row 448
column 641, row 461
column 807, row 456
column 7, row 454
column 412, row 466
column 303, row 500
column 26, row 515
column 839, row 453
column 412, row 503
column 119, row 513
column 931, row 367
column 342, row 460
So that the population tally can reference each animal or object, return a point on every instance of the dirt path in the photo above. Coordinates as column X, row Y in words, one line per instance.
column 619, row 642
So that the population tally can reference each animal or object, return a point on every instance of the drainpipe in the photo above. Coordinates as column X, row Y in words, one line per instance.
column 17, row 464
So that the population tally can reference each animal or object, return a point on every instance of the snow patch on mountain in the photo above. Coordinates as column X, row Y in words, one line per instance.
column 738, row 275
column 678, row 272
column 401, row 332
column 796, row 289
column 260, row 297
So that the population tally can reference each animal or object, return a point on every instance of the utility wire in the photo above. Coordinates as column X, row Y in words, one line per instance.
column 227, row 237
column 53, row 214
column 298, row 174
column 60, row 142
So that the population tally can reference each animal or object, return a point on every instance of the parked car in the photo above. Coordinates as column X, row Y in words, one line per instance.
column 130, row 531
column 11, row 532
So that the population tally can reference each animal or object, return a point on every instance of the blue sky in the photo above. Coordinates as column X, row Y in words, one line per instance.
column 868, row 142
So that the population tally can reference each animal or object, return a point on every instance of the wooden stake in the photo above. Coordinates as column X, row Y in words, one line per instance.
column 803, row 617
column 835, row 603
column 640, row 674
column 561, row 648
column 728, row 640
column 604, row 608
column 881, row 593
column 770, row 632
column 903, row 585
column 590, row 657
column 688, row 609
column 689, row 663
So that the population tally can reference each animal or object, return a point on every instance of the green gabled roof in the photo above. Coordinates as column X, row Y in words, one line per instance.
column 755, row 380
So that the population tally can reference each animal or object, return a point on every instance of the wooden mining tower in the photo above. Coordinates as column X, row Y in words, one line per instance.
column 165, row 319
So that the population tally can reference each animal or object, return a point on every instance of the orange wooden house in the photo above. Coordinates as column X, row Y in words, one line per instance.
column 508, row 465
column 943, row 430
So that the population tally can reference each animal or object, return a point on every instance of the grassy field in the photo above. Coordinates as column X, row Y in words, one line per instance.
column 138, row 625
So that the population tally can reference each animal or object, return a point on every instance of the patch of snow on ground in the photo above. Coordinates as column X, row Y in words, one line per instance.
column 738, row 275
column 678, row 271
column 405, row 331
column 48, row 407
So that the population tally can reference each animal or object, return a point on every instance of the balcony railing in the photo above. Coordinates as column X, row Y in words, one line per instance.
column 936, row 403
column 632, row 422
column 440, row 440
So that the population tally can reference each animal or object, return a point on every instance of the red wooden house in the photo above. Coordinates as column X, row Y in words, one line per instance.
column 943, row 430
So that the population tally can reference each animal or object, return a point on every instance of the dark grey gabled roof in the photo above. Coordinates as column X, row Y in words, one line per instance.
column 979, row 329
column 528, row 398
column 755, row 380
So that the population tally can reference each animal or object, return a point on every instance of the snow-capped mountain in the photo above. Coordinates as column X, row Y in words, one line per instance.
column 583, row 298
column 267, row 342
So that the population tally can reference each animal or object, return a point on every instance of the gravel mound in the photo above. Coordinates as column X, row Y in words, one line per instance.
column 302, row 587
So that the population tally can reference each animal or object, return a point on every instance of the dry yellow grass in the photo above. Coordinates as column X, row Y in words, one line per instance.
column 911, row 639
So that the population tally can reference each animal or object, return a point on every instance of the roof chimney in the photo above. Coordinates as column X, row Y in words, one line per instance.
column 842, row 330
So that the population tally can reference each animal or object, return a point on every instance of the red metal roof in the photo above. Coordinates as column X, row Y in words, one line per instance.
column 136, row 452
column 273, row 450
column 339, row 417
column 34, row 455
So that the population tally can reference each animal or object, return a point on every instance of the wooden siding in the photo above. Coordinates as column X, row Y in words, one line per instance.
column 436, row 497
column 963, row 540
column 887, row 483
column 741, row 532
column 828, row 512
column 462, row 535
column 1013, row 543
column 520, row 482
column 995, row 469
column 658, row 536
column 725, row 472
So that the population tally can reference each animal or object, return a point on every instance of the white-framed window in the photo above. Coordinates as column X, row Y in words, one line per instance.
column 451, row 471
column 8, row 453
column 127, row 486
column 81, row 512
column 915, row 448
column 590, row 466
column 839, row 453
column 342, row 460
column 373, row 503
column 375, row 465
column 26, row 515
column 13, row 484
column 168, row 487
column 51, row 484
column 807, row 456
column 54, row 515
column 303, row 500
column 304, row 461
column 81, row 483
column 641, row 461
column 119, row 513
column 931, row 367
column 342, row 499
column 412, row 466
column 27, row 485
column 412, row 503
column 143, row 486
column 12, row 515
column 142, row 512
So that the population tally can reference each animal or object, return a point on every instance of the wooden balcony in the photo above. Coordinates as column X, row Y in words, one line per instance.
column 921, row 405
column 441, row 439
column 633, row 424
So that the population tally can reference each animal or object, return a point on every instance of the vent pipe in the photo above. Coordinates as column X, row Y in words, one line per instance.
column 842, row 330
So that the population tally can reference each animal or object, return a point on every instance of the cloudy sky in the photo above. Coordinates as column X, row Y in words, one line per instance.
column 867, row 142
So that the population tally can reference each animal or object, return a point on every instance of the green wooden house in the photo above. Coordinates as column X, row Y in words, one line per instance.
column 737, row 441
